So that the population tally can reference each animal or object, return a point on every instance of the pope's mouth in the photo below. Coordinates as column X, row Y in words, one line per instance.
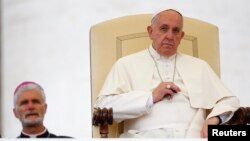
column 168, row 45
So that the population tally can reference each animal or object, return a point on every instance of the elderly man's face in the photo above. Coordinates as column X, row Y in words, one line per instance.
column 166, row 33
column 30, row 108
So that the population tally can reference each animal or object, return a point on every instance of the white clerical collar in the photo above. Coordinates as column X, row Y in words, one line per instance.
column 34, row 135
column 157, row 56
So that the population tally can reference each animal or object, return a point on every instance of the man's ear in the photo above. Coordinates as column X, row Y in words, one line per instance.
column 45, row 108
column 15, row 113
column 150, row 30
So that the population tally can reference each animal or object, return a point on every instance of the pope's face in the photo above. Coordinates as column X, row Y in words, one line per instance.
column 30, row 108
column 166, row 32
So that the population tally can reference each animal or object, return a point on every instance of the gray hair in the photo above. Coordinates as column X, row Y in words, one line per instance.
column 26, row 87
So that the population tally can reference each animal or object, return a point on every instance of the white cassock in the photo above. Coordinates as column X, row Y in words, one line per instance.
column 130, row 83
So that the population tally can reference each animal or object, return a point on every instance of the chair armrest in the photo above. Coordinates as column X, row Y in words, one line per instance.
column 103, row 118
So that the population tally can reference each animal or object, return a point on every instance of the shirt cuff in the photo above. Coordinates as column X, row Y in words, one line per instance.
column 223, row 118
column 150, row 102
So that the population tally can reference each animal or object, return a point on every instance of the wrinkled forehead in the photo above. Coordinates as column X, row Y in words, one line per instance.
column 29, row 95
column 34, row 93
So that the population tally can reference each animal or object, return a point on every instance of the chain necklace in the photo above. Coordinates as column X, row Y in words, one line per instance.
column 158, row 68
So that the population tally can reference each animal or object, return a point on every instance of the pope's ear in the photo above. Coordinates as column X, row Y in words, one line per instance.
column 150, row 30
column 182, row 34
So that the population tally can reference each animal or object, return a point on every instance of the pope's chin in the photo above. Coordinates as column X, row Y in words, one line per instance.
column 33, row 121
